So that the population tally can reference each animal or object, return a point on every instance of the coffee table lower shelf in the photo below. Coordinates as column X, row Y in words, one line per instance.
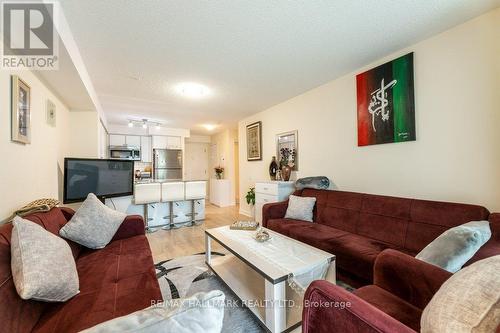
column 258, row 294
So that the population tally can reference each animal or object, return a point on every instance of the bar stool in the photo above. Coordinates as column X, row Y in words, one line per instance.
column 146, row 194
column 171, row 192
column 195, row 190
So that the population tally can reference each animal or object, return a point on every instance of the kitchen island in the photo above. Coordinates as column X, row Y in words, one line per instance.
column 164, row 203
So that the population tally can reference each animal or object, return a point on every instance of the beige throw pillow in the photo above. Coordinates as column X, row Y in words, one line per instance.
column 469, row 301
column 300, row 208
column 202, row 312
column 43, row 267
column 93, row 225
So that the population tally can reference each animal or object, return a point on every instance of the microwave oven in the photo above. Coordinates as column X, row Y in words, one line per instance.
column 125, row 153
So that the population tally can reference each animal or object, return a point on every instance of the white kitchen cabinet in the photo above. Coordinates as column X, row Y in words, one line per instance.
column 133, row 140
column 174, row 142
column 271, row 191
column 146, row 149
column 116, row 140
column 159, row 142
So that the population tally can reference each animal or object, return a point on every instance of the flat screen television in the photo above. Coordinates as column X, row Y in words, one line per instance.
column 103, row 177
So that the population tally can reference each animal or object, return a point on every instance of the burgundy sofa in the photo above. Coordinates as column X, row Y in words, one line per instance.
column 356, row 227
column 402, row 287
column 114, row 281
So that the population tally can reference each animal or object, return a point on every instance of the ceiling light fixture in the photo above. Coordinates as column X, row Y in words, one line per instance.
column 157, row 127
column 209, row 127
column 130, row 123
column 144, row 123
column 192, row 90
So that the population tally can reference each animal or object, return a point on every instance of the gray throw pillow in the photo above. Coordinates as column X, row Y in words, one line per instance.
column 468, row 302
column 300, row 208
column 454, row 247
column 202, row 312
column 93, row 225
column 43, row 267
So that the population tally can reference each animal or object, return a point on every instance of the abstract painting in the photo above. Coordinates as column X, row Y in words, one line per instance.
column 254, row 141
column 386, row 103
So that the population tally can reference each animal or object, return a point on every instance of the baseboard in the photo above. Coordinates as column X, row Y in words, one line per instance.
column 245, row 212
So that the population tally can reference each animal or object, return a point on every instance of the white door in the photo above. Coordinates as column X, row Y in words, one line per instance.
column 196, row 161
column 116, row 140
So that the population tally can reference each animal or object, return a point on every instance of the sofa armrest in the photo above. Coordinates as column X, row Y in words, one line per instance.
column 67, row 212
column 411, row 279
column 275, row 210
column 133, row 225
column 329, row 308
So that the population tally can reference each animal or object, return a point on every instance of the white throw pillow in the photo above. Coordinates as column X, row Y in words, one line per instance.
column 93, row 225
column 43, row 267
column 202, row 312
column 454, row 247
column 468, row 302
column 300, row 208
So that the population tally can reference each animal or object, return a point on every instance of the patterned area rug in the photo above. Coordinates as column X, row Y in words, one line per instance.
column 185, row 276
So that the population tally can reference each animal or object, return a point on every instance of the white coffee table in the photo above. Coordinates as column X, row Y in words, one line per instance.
column 259, row 279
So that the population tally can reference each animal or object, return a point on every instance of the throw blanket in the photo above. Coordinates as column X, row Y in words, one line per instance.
column 319, row 183
column 40, row 205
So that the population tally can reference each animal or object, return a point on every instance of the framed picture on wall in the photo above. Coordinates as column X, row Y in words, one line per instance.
column 254, row 141
column 20, row 111
column 287, row 144
column 386, row 103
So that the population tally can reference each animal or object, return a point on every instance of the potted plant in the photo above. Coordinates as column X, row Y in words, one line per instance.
column 250, row 197
column 218, row 172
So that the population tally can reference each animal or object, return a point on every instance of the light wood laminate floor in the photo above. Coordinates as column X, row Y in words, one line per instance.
column 167, row 244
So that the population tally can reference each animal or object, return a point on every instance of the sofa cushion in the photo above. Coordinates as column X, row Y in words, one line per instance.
column 394, row 306
column 201, row 312
column 469, row 301
column 453, row 248
column 93, row 225
column 43, row 267
column 300, row 208
column 429, row 219
column 355, row 254
column 283, row 226
column 316, row 234
column 114, row 281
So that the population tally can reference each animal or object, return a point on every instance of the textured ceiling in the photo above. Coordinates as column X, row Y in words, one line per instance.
column 252, row 54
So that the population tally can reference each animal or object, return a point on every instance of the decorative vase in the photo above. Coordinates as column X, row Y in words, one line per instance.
column 286, row 171
column 273, row 168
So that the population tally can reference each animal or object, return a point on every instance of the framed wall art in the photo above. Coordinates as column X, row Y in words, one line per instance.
column 386, row 103
column 287, row 144
column 20, row 111
column 254, row 141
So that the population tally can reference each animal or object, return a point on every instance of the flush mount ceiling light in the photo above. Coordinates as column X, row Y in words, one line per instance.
column 209, row 127
column 192, row 90
column 130, row 123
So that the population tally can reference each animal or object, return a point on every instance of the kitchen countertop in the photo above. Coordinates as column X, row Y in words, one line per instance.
column 152, row 181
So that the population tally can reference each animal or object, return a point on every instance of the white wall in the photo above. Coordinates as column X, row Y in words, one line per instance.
column 84, row 134
column 456, row 156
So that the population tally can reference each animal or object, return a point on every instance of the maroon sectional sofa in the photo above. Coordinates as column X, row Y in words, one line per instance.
column 356, row 227
column 402, row 287
column 114, row 281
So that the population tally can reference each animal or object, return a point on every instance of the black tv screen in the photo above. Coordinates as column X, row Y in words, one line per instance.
column 104, row 178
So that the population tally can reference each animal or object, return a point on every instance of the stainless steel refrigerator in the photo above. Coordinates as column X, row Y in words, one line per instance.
column 167, row 164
